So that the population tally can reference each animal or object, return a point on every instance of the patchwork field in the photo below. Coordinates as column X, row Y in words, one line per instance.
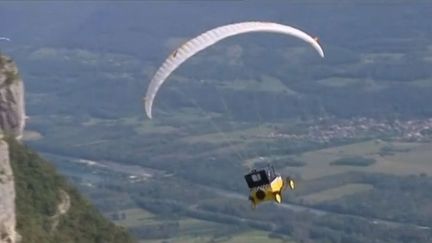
column 192, row 230
column 335, row 193
column 245, row 237
column 135, row 217
column 405, row 159
column 415, row 161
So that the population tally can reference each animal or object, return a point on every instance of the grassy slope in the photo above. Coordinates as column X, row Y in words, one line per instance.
column 37, row 188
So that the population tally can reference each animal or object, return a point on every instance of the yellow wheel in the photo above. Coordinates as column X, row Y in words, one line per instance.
column 291, row 183
column 278, row 197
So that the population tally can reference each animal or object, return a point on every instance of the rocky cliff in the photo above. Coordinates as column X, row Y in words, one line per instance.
column 12, row 107
column 7, row 198
column 12, row 122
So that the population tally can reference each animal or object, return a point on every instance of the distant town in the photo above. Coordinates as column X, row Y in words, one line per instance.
column 328, row 130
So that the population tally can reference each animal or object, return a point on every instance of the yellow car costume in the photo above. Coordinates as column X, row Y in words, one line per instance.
column 265, row 185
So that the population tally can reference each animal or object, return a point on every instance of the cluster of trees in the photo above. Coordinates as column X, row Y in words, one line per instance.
column 354, row 161
column 282, row 162
column 156, row 231
column 391, row 150
column 390, row 194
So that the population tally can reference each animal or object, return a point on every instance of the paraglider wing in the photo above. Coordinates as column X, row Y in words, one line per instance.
column 5, row 38
column 209, row 38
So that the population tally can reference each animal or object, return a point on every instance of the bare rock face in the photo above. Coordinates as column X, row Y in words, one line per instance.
column 7, row 198
column 12, row 111
column 12, row 122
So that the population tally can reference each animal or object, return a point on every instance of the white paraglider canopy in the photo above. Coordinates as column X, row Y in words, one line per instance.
column 209, row 38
